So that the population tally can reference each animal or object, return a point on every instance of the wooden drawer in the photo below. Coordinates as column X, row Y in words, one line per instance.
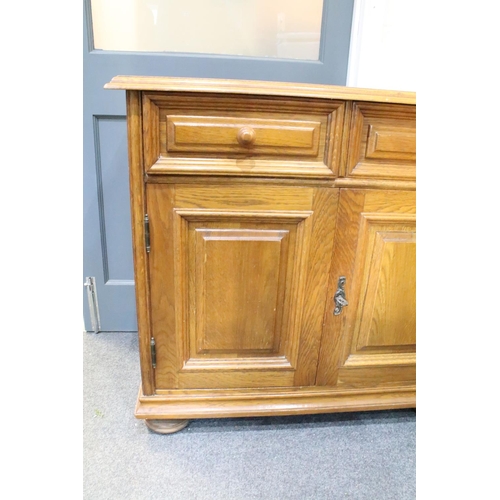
column 243, row 135
column 382, row 141
column 247, row 136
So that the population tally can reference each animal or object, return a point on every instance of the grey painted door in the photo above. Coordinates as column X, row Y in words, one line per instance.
column 107, row 253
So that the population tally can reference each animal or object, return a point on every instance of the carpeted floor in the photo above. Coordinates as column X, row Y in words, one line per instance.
column 366, row 455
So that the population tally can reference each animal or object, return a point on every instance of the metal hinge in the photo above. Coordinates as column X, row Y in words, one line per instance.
column 93, row 304
column 146, row 233
column 153, row 352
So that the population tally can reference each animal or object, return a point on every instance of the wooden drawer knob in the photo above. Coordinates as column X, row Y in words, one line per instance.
column 246, row 136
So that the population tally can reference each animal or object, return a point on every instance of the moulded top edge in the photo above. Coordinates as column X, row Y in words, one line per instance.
column 254, row 87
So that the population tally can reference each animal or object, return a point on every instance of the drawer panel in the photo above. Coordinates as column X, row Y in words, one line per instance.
column 214, row 134
column 390, row 143
column 382, row 141
column 250, row 136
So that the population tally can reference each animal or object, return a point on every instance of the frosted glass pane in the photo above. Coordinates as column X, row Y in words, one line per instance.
column 289, row 29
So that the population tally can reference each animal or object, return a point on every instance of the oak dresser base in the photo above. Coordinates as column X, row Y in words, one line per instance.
column 185, row 405
column 274, row 240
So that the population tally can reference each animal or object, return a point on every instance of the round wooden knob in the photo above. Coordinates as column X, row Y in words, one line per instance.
column 246, row 136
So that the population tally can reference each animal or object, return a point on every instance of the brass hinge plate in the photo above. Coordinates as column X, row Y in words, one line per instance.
column 153, row 352
column 146, row 233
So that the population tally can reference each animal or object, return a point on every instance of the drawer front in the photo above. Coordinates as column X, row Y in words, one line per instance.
column 247, row 136
column 382, row 141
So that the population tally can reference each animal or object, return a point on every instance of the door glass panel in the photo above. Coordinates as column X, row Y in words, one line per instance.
column 288, row 29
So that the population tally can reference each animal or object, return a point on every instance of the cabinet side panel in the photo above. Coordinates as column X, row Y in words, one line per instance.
column 138, row 209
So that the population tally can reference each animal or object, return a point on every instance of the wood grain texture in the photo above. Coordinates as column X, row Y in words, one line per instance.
column 260, row 195
column 390, row 143
column 345, row 182
column 376, row 376
column 272, row 401
column 241, row 168
column 254, row 197
column 358, row 183
column 387, row 202
column 237, row 273
column 378, row 325
column 316, row 297
column 382, row 141
column 345, row 243
column 254, row 87
column 227, row 135
column 238, row 276
column 151, row 132
column 165, row 312
column 220, row 134
column 389, row 283
column 236, row 321
column 335, row 146
column 344, row 149
column 138, row 210
column 380, row 360
column 252, row 303
column 244, row 376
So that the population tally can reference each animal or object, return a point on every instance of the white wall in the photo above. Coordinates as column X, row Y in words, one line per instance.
column 383, row 45
column 262, row 28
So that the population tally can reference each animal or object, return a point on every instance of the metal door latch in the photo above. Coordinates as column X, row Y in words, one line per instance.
column 93, row 304
column 339, row 297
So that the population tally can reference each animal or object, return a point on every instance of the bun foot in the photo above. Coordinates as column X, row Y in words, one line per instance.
column 166, row 426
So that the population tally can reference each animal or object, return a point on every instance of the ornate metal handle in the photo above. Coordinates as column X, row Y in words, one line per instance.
column 339, row 297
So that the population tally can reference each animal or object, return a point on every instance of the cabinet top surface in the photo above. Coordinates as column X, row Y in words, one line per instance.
column 254, row 87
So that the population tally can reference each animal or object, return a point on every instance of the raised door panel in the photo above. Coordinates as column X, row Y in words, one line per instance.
column 372, row 342
column 255, row 260
column 232, row 270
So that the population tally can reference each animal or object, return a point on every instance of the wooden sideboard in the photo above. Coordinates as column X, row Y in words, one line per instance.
column 274, row 247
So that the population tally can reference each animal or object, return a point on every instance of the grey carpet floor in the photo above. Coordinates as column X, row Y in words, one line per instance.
column 365, row 455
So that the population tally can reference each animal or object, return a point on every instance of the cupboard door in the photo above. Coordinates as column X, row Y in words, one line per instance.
column 238, row 282
column 372, row 341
